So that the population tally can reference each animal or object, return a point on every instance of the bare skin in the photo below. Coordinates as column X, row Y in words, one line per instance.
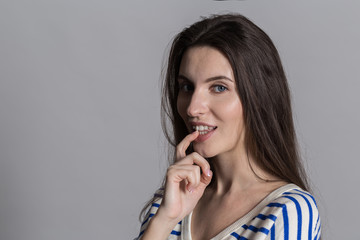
column 208, row 96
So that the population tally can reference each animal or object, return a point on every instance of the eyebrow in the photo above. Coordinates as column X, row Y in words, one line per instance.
column 220, row 77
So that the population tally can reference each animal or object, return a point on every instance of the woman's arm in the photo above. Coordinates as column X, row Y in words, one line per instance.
column 184, row 186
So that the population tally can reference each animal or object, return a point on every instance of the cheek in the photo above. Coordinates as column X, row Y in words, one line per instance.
column 230, row 111
column 231, row 115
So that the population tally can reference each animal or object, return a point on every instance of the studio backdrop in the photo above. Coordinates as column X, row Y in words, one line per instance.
column 81, row 145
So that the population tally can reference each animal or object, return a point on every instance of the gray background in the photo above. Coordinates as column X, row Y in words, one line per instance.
column 81, row 147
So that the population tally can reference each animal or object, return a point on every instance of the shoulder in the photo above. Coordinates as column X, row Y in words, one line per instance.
column 288, row 213
column 295, row 215
column 152, row 207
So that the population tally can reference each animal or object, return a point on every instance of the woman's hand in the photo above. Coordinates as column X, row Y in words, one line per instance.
column 186, row 181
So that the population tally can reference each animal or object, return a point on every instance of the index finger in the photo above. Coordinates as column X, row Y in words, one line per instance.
column 184, row 144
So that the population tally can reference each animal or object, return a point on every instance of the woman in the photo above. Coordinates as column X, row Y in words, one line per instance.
column 236, row 172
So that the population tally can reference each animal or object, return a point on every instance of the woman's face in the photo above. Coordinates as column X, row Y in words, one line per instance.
column 208, row 101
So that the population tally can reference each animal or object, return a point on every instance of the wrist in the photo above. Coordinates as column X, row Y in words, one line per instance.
column 162, row 215
column 159, row 228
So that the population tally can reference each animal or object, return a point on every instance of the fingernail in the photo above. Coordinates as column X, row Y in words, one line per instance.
column 190, row 189
column 208, row 172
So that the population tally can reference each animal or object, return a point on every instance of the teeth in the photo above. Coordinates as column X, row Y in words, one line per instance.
column 203, row 129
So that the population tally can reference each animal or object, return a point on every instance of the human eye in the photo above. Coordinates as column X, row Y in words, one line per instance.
column 219, row 88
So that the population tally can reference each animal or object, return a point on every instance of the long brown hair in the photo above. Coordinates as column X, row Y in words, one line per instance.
column 261, row 84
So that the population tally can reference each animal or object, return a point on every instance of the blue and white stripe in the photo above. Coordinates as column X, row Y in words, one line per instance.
column 291, row 216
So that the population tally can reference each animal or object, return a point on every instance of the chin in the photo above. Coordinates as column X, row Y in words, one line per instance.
column 204, row 152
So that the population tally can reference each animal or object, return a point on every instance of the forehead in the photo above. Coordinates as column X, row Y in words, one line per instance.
column 201, row 63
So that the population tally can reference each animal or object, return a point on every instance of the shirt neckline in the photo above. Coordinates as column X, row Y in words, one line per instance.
column 186, row 224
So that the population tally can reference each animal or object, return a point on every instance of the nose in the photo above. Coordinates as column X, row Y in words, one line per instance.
column 197, row 105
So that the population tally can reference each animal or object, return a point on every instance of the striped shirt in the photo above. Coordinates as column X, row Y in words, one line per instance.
column 286, row 213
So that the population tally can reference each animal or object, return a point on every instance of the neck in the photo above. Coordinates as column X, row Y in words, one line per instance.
column 235, row 172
